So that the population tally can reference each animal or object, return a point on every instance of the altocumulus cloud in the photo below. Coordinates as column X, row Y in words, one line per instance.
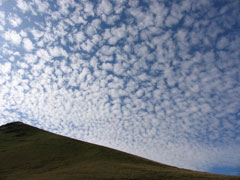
column 155, row 78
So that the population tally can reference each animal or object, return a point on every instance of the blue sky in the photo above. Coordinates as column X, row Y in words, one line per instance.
column 160, row 79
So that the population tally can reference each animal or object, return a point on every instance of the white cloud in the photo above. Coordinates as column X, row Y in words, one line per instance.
column 15, row 20
column 83, row 74
column 13, row 36
column 21, row 4
column 139, row 93
column 171, row 20
column 107, row 66
column 23, row 65
column 27, row 44
column 23, row 34
column 43, row 54
column 107, row 50
column 141, row 50
column 117, row 33
column 36, row 34
column 118, row 69
column 223, row 43
column 57, row 51
column 96, row 23
column 112, row 19
column 2, row 20
column 42, row 6
column 107, row 34
column 65, row 68
column 79, row 37
column 87, row 45
column 5, row 68
column 105, row 7
column 64, row 5
column 90, row 31
column 76, row 17
column 30, row 58
column 89, row 8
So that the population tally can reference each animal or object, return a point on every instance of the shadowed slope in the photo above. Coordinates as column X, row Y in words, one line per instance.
column 28, row 153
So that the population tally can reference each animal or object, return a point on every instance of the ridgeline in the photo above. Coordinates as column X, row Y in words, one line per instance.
column 29, row 153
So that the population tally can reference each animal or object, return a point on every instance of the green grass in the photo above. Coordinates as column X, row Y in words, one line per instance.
column 28, row 153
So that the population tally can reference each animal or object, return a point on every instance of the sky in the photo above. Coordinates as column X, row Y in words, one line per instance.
column 159, row 79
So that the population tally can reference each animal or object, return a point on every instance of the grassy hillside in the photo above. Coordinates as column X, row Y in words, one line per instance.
column 28, row 153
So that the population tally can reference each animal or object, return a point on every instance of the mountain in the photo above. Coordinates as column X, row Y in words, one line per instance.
column 29, row 153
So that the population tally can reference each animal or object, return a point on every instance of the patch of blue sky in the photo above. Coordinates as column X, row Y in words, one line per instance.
column 235, row 171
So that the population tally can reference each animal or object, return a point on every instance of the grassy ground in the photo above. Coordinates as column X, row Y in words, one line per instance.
column 28, row 153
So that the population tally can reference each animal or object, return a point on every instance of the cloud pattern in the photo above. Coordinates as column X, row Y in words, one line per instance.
column 160, row 79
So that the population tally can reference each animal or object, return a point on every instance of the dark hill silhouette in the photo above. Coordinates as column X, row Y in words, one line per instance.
column 29, row 153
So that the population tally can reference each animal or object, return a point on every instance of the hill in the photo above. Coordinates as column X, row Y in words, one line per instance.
column 28, row 153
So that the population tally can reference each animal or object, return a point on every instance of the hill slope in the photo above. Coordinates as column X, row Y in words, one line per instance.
column 28, row 153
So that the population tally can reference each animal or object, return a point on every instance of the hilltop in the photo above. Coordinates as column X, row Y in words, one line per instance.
column 28, row 153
